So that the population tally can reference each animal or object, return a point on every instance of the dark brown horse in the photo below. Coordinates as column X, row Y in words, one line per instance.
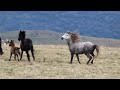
column 1, row 50
column 14, row 50
column 26, row 45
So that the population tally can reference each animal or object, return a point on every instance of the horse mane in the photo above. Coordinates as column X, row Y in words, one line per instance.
column 74, row 36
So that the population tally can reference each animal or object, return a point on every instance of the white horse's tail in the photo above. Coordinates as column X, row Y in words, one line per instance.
column 97, row 49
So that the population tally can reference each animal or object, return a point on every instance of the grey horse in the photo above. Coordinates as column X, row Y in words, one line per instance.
column 77, row 47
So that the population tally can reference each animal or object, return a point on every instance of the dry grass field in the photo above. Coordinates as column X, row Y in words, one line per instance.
column 52, row 62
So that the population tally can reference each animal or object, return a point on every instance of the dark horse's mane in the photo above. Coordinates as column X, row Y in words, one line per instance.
column 74, row 36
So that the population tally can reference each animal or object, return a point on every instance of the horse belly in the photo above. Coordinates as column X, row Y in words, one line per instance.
column 79, row 51
column 25, row 48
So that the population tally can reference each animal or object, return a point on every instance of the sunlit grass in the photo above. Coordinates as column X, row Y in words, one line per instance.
column 52, row 62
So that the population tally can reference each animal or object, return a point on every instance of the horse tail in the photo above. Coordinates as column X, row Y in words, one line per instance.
column 32, row 49
column 97, row 49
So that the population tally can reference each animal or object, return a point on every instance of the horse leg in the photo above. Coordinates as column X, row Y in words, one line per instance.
column 14, row 56
column 21, row 55
column 71, row 58
column 77, row 58
column 17, row 56
column 33, row 54
column 88, row 55
column 93, row 57
column 10, row 56
column 28, row 56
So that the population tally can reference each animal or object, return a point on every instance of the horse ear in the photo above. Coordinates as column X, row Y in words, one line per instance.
column 69, row 32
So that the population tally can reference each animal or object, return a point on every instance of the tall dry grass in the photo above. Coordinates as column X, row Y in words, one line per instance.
column 52, row 62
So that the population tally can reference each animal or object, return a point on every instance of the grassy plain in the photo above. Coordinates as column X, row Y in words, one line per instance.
column 52, row 62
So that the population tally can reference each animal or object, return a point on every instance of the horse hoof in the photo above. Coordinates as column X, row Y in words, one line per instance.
column 30, row 63
column 91, row 62
column 70, row 63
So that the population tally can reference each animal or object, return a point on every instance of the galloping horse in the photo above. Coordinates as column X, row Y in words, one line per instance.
column 26, row 45
column 77, row 47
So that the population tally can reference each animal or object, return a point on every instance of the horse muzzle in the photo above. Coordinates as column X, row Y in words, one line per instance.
column 18, row 39
column 62, row 38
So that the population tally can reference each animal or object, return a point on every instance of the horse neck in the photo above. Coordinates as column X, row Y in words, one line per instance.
column 69, row 42
column 23, row 38
column 13, row 46
column 22, row 41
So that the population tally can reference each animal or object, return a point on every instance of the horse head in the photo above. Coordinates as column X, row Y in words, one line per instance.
column 21, row 35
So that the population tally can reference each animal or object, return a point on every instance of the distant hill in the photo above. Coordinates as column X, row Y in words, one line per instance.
column 104, row 24
column 52, row 37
